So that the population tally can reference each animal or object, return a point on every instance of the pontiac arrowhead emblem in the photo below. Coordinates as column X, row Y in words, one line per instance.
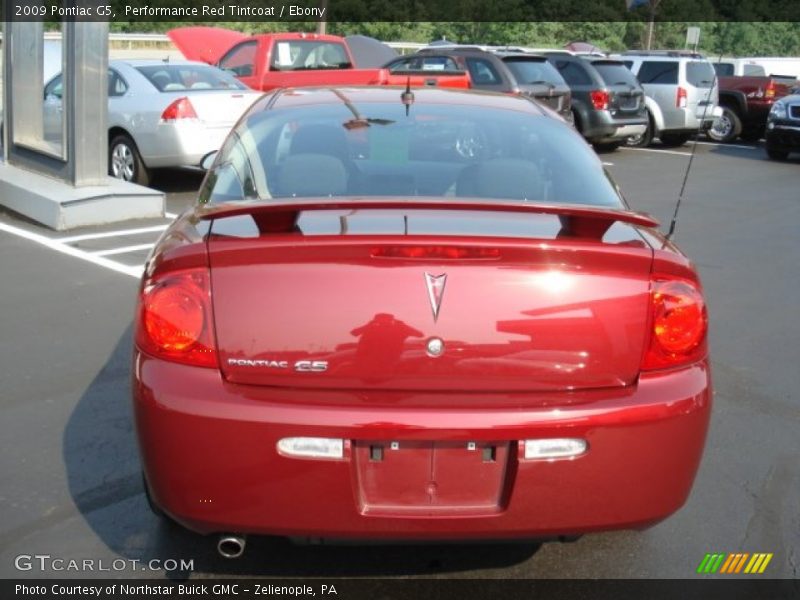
column 435, row 285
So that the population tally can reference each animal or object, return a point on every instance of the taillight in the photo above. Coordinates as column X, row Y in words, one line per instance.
column 180, row 109
column 681, row 98
column 770, row 91
column 174, row 320
column 678, row 321
column 599, row 99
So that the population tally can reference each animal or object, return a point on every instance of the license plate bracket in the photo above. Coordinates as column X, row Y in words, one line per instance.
column 430, row 477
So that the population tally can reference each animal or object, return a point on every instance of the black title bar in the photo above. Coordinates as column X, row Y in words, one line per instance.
column 217, row 11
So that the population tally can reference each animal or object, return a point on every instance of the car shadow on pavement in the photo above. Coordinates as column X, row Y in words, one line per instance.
column 748, row 150
column 103, row 474
column 171, row 181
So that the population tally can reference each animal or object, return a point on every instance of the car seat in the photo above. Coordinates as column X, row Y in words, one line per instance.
column 161, row 80
column 507, row 178
column 329, row 140
column 311, row 175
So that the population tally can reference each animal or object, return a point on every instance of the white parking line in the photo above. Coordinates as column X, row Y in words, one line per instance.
column 123, row 250
column 108, row 234
column 726, row 145
column 657, row 150
column 60, row 246
column 608, row 164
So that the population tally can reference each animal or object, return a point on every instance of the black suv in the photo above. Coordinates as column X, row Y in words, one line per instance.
column 607, row 100
column 783, row 127
column 503, row 70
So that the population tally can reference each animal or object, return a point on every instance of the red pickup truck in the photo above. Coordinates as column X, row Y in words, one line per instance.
column 276, row 60
column 746, row 101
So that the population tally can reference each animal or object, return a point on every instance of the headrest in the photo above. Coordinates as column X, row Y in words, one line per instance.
column 311, row 175
column 508, row 178
column 320, row 139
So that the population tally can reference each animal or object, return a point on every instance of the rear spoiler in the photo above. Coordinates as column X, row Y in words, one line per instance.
column 577, row 219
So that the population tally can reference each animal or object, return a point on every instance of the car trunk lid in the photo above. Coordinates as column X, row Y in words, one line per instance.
column 220, row 108
column 554, row 97
column 537, row 78
column 703, row 93
column 626, row 96
column 206, row 44
column 376, row 298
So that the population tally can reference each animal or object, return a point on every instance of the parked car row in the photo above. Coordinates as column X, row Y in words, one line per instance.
column 172, row 114
column 599, row 96
column 266, row 62
column 633, row 97
column 505, row 70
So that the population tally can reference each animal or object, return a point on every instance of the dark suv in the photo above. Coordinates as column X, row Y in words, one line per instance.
column 502, row 70
column 783, row 127
column 607, row 100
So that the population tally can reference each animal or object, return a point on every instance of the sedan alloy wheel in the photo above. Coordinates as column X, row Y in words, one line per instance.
column 124, row 161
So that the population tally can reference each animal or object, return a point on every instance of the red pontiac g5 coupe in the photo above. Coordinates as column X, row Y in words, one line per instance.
column 419, row 315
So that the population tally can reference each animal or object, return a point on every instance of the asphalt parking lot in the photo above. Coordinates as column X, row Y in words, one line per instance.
column 70, row 467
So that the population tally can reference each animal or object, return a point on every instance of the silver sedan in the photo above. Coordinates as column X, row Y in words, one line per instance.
column 161, row 114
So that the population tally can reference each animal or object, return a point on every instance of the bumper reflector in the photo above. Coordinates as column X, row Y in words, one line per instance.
column 311, row 447
column 554, row 448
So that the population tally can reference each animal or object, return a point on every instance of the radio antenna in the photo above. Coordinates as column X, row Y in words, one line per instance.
column 674, row 222
column 407, row 97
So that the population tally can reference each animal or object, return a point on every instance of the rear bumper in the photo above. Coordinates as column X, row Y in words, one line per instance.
column 181, row 144
column 690, row 120
column 209, row 454
column 603, row 126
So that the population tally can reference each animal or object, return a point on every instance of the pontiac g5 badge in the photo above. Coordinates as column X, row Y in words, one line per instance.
column 435, row 285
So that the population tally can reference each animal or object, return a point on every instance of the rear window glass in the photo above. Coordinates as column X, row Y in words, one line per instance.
column 436, row 64
column 723, row 69
column 304, row 55
column 700, row 73
column 241, row 59
column 376, row 149
column 657, row 71
column 615, row 73
column 528, row 71
column 754, row 70
column 177, row 78
column 482, row 72
column 573, row 72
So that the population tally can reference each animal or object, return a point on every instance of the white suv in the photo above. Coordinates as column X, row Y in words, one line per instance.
column 682, row 94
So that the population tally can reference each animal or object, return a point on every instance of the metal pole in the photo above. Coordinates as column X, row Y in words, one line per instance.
column 651, row 26
column 322, row 26
column 86, row 106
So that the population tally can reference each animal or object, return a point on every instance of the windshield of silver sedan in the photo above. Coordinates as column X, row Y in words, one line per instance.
column 437, row 150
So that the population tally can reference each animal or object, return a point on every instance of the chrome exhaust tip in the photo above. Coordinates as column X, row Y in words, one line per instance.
column 230, row 545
